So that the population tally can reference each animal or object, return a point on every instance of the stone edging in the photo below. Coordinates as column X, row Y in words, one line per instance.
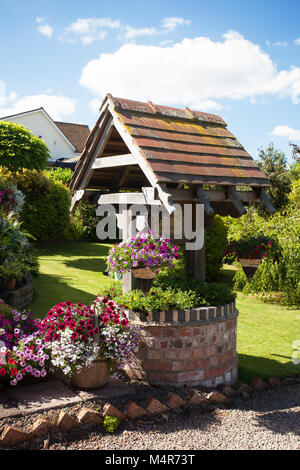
column 13, row 436
column 202, row 315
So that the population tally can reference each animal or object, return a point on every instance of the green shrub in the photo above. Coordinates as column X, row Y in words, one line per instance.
column 284, row 274
column 60, row 174
column 111, row 423
column 19, row 148
column 85, row 217
column 215, row 243
column 46, row 211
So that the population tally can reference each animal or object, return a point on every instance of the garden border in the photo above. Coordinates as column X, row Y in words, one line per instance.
column 20, row 297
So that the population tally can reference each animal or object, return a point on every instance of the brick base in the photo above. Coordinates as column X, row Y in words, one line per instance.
column 201, row 352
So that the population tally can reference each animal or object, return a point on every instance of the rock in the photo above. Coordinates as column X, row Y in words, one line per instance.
column 12, row 436
column 66, row 422
column 110, row 410
column 242, row 387
column 174, row 400
column 132, row 410
column 273, row 381
column 194, row 398
column 258, row 384
column 88, row 416
column 40, row 427
column 217, row 397
column 155, row 407
column 229, row 392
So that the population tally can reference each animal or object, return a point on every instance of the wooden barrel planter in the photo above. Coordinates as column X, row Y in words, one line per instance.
column 22, row 296
column 187, row 347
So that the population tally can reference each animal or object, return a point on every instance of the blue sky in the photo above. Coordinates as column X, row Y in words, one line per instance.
column 239, row 59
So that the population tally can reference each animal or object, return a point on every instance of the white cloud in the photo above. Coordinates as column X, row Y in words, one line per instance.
column 172, row 22
column 57, row 106
column 297, row 42
column 94, row 104
column 192, row 71
column 132, row 33
column 280, row 43
column 88, row 30
column 46, row 30
column 286, row 131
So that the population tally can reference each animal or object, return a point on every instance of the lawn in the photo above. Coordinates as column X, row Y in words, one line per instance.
column 74, row 271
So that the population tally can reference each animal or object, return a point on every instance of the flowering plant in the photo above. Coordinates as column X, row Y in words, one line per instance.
column 21, row 347
column 70, row 335
column 119, row 339
column 142, row 251
column 11, row 199
column 252, row 248
column 27, row 357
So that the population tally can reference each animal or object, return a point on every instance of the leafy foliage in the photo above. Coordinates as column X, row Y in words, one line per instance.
column 45, row 213
column 19, row 148
column 60, row 174
column 215, row 243
column 274, row 164
column 111, row 423
column 85, row 218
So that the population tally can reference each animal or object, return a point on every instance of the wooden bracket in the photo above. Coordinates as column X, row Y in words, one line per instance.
column 204, row 199
column 236, row 199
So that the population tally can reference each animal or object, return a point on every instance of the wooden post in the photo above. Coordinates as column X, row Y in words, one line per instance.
column 195, row 263
column 129, row 281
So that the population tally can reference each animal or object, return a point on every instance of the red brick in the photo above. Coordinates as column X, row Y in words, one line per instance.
column 195, row 398
column 40, row 427
column 170, row 354
column 184, row 354
column 211, row 350
column 164, row 344
column 155, row 407
column 153, row 355
column 110, row 410
column 12, row 436
column 155, row 331
column 217, row 397
column 66, row 422
column 198, row 353
column 184, row 331
column 174, row 400
column 214, row 361
column 190, row 376
column 132, row 410
column 178, row 366
column 170, row 332
column 88, row 416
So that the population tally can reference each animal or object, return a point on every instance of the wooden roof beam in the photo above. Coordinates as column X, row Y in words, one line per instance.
column 236, row 199
column 114, row 161
column 204, row 199
column 262, row 195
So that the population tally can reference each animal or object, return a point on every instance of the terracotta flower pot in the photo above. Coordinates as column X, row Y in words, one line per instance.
column 93, row 377
column 10, row 284
column 249, row 267
column 145, row 278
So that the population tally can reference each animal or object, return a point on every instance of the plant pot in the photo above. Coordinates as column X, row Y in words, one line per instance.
column 249, row 267
column 93, row 377
column 10, row 284
column 145, row 278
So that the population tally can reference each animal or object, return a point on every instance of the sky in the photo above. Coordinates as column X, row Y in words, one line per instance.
column 239, row 59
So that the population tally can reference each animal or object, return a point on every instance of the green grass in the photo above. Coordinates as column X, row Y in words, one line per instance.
column 74, row 271
column 69, row 271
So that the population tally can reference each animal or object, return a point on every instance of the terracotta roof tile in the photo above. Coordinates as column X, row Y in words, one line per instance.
column 77, row 134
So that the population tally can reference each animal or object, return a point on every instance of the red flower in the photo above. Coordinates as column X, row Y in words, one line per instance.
column 2, row 371
column 13, row 372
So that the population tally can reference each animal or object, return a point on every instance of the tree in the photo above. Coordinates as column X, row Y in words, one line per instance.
column 19, row 148
column 274, row 164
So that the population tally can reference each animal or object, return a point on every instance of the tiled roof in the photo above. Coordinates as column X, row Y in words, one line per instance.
column 185, row 146
column 77, row 134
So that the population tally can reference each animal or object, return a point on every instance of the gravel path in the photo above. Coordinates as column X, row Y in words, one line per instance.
column 269, row 420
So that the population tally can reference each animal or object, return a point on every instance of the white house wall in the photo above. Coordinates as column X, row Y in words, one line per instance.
column 40, row 126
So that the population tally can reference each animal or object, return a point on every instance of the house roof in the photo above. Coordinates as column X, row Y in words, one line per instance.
column 77, row 134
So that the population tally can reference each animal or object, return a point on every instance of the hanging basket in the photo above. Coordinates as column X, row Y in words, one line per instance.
column 145, row 278
column 249, row 267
